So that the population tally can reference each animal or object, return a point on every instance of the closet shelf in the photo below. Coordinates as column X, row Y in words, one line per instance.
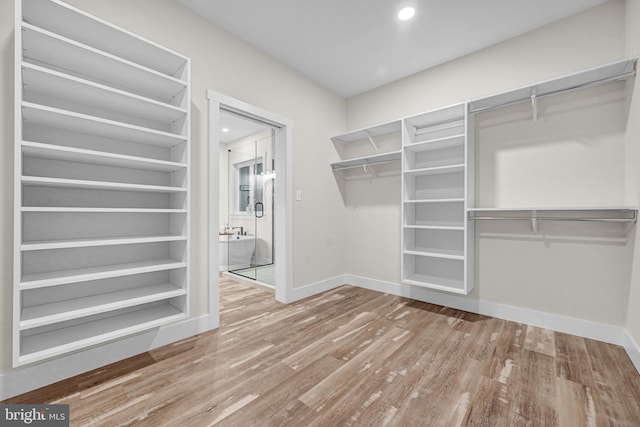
column 435, row 253
column 620, row 70
column 438, row 283
column 54, row 278
column 375, row 159
column 45, row 314
column 435, row 171
column 55, row 84
column 437, row 117
column 64, row 209
column 436, row 200
column 75, row 24
column 72, row 154
column 85, row 243
column 39, row 181
column 45, row 47
column 608, row 214
column 60, row 341
column 436, row 226
column 370, row 132
column 62, row 119
column 436, row 144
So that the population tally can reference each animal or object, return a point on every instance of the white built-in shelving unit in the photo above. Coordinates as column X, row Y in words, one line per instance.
column 445, row 191
column 437, row 241
column 374, row 151
column 101, row 182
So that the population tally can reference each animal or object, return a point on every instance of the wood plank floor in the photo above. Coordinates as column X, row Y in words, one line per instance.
column 356, row 357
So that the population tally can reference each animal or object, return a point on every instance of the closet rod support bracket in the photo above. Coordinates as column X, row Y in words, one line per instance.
column 373, row 143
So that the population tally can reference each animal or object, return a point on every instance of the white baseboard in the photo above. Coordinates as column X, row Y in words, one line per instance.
column 315, row 288
column 27, row 378
column 579, row 327
column 633, row 349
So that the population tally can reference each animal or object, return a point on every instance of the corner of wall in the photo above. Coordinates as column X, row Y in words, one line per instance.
column 632, row 142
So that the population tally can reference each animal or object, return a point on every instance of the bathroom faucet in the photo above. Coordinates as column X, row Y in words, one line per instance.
column 241, row 230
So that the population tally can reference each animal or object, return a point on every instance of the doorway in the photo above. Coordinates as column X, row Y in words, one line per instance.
column 220, row 105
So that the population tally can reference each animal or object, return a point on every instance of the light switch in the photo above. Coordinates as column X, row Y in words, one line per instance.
column 298, row 195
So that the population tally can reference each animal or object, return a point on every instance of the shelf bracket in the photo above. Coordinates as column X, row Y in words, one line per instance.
column 534, row 222
column 534, row 107
column 375, row 146
column 369, row 170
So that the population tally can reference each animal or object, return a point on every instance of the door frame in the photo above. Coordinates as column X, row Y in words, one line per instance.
column 283, row 205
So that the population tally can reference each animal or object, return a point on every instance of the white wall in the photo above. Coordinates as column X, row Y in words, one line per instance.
column 633, row 147
column 227, row 65
column 585, row 279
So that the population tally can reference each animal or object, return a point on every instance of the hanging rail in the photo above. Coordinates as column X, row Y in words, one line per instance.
column 534, row 218
column 554, row 92
column 363, row 164
column 551, row 218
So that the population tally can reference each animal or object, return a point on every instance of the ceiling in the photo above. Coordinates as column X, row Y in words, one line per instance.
column 352, row 46
column 234, row 127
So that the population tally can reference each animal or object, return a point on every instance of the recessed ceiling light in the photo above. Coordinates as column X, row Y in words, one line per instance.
column 225, row 130
column 406, row 13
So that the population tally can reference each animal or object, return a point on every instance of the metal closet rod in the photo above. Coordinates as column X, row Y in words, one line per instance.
column 455, row 122
column 382, row 162
column 556, row 92
column 545, row 218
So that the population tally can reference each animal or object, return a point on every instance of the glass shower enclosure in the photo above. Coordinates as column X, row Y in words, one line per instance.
column 250, row 189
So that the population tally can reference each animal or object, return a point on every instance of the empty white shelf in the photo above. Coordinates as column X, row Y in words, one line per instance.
column 437, row 144
column 73, row 23
column 55, row 84
column 71, row 154
column 608, row 214
column 46, row 47
column 449, row 200
column 85, row 243
column 42, row 315
column 435, row 253
column 615, row 71
column 436, row 226
column 439, row 283
column 65, row 340
column 98, row 185
column 436, row 170
column 54, row 278
column 437, row 117
column 64, row 209
column 62, row 119
column 373, row 131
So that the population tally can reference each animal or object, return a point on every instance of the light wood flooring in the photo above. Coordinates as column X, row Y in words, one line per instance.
column 357, row 357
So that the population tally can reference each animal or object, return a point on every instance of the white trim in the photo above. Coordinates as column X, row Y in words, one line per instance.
column 22, row 380
column 633, row 349
column 213, row 178
column 316, row 288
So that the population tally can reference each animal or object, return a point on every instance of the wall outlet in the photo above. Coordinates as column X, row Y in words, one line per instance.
column 298, row 195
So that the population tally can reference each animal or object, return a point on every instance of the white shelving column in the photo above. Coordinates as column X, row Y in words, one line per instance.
column 101, row 182
column 436, row 239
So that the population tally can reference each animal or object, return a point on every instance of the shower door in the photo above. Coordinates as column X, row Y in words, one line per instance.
column 251, row 189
